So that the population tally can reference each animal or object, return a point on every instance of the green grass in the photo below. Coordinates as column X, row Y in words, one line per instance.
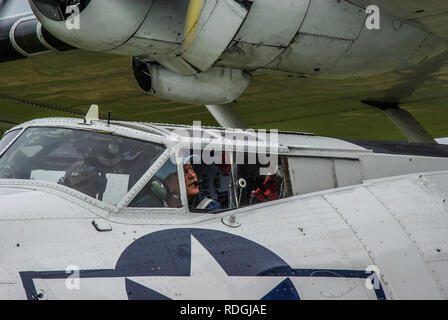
column 16, row 113
column 74, row 80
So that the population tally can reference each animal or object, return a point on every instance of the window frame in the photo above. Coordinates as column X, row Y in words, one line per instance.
column 282, row 161
column 146, row 178
column 73, row 192
column 21, row 130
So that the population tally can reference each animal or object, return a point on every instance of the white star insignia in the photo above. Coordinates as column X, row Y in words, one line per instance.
column 208, row 281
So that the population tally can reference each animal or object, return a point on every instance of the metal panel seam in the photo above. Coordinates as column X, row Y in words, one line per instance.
column 408, row 234
column 293, row 39
column 369, row 252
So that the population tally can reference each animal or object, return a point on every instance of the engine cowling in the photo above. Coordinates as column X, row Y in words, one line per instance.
column 101, row 25
column 317, row 38
column 215, row 86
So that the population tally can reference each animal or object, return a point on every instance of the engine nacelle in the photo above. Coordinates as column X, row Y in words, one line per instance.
column 96, row 25
column 216, row 86
column 318, row 38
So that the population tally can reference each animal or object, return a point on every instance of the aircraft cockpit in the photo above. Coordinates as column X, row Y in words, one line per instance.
column 212, row 187
column 100, row 165
column 135, row 172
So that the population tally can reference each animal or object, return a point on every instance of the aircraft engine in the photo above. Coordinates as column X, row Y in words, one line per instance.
column 215, row 86
column 187, row 37
column 328, row 39
column 97, row 25
column 207, row 38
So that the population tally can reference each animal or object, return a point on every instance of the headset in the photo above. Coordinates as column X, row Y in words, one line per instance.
column 159, row 189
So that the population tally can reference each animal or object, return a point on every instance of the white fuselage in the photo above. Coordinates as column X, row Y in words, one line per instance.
column 330, row 240
column 356, row 224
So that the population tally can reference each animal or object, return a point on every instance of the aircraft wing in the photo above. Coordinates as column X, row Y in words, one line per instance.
column 433, row 14
column 64, row 83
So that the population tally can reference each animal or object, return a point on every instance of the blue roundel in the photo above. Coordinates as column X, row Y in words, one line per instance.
column 168, row 253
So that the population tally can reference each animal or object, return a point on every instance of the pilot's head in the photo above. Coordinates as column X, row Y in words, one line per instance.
column 191, row 181
column 84, row 178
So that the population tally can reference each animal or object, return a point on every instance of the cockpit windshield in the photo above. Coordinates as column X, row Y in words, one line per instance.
column 7, row 138
column 101, row 165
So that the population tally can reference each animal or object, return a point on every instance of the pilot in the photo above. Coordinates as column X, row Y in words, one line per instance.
column 84, row 178
column 195, row 200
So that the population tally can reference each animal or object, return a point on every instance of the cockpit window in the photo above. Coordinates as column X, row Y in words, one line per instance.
column 238, row 180
column 7, row 138
column 101, row 165
column 255, row 187
column 162, row 191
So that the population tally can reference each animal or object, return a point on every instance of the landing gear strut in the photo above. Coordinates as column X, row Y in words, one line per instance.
column 226, row 116
column 404, row 121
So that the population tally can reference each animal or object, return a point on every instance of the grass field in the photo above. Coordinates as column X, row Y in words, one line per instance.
column 65, row 85
column 362, row 123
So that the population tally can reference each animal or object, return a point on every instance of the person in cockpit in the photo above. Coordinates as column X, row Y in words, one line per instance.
column 195, row 200
column 83, row 177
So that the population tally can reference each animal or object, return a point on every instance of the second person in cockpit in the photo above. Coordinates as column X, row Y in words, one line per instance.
column 195, row 200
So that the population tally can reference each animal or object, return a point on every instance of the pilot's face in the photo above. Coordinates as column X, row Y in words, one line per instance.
column 190, row 180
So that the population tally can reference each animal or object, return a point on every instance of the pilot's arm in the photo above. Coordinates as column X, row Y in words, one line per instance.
column 173, row 197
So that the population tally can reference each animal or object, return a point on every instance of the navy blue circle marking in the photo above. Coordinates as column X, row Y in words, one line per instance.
column 168, row 253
